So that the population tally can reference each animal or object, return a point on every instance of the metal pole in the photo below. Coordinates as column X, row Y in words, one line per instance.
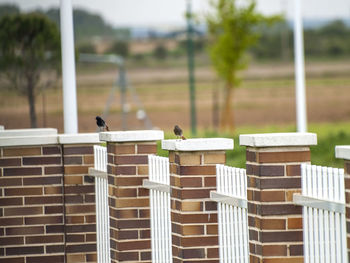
column 190, row 54
column 122, row 84
column 299, row 69
column 68, row 68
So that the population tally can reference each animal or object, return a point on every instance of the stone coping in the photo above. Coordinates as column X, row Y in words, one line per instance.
column 132, row 136
column 78, row 138
column 28, row 140
column 28, row 132
column 2, row 128
column 278, row 139
column 206, row 144
column 342, row 152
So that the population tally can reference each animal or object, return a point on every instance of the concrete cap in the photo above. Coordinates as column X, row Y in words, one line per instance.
column 28, row 132
column 207, row 144
column 132, row 136
column 28, row 140
column 78, row 138
column 278, row 139
column 342, row 152
column 2, row 128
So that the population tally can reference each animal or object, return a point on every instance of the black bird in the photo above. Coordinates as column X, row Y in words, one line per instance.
column 178, row 132
column 101, row 124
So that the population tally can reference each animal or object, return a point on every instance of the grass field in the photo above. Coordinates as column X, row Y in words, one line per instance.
column 263, row 103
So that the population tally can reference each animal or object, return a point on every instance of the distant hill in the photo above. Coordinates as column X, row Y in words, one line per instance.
column 86, row 24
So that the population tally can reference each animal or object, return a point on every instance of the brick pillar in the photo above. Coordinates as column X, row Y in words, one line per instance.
column 193, row 214
column 273, row 170
column 343, row 152
column 79, row 196
column 128, row 201
column 31, row 201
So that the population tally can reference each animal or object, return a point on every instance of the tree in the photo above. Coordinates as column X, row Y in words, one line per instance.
column 29, row 46
column 160, row 52
column 233, row 29
column 120, row 48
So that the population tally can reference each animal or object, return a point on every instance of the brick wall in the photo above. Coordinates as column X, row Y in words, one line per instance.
column 193, row 214
column 273, row 171
column 128, row 201
column 79, row 198
column 47, row 210
column 31, row 218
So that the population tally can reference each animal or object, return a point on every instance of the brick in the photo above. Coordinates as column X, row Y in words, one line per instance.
column 75, row 238
column 11, row 201
column 285, row 209
column 139, row 202
column 52, row 190
column 195, row 218
column 125, row 192
column 192, row 206
column 293, row 170
column 217, row 158
column 43, row 200
column 43, row 220
column 211, row 206
column 54, row 229
column 197, row 170
column 10, row 162
column 57, row 209
column 213, row 252
column 23, row 191
column 73, row 160
column 296, row 250
column 284, row 157
column 42, row 180
column 21, row 151
column 142, row 170
column 212, row 229
column 189, row 159
column 146, row 148
column 73, row 179
column 22, row 171
column 80, row 209
column 12, row 260
column 130, row 159
column 192, row 253
column 88, row 159
column 210, row 181
column 79, row 189
column 52, row 150
column 272, row 224
column 134, row 245
column 10, row 181
column 199, row 241
column 24, row 250
column 8, row 241
column 191, row 181
column 272, row 196
column 53, row 170
column 74, row 258
column 81, row 248
column 281, row 236
column 54, row 249
column 14, row 231
column 76, row 169
column 132, row 224
column 295, row 223
column 128, row 234
column 290, row 193
column 41, row 160
column 129, row 181
column 283, row 260
column 188, row 230
column 73, row 150
column 121, row 148
column 75, row 219
column 274, row 250
column 44, row 239
column 251, row 156
column 14, row 211
column 11, row 221
column 124, row 170
column 127, row 256
column 81, row 228
column 280, row 183
column 194, row 193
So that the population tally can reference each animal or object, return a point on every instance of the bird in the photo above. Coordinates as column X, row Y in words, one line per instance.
column 101, row 124
column 178, row 132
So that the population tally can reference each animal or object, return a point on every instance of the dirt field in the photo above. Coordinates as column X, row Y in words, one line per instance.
column 265, row 97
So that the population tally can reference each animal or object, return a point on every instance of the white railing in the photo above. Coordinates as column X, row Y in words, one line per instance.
column 102, row 210
column 159, row 185
column 323, row 200
column 231, row 196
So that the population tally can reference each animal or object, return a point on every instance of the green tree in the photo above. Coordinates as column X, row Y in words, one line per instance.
column 29, row 46
column 233, row 29
column 160, row 52
column 120, row 48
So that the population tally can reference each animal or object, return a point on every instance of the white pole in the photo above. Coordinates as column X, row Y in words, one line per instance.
column 299, row 69
column 68, row 68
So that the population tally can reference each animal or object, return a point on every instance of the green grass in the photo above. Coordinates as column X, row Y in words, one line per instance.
column 328, row 136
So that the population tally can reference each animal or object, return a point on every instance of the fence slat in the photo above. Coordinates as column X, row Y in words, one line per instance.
column 324, row 226
column 233, row 220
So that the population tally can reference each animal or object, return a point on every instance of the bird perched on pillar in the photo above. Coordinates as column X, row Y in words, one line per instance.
column 178, row 132
column 101, row 124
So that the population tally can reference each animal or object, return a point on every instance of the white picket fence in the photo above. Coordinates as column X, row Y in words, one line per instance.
column 159, row 185
column 102, row 210
column 323, row 198
column 231, row 196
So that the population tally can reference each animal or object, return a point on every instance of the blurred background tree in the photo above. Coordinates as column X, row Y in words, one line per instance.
column 232, row 31
column 120, row 48
column 29, row 46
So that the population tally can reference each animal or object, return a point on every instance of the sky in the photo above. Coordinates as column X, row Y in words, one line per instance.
column 171, row 12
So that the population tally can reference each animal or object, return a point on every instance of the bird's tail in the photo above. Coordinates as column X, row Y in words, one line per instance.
column 183, row 137
column 107, row 128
